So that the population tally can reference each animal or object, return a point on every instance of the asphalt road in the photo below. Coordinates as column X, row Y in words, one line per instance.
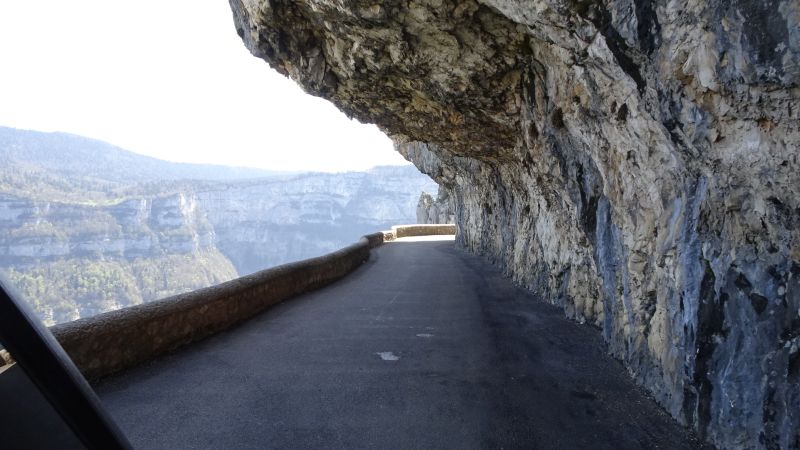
column 424, row 346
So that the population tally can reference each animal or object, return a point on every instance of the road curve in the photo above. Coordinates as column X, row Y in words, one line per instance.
column 424, row 346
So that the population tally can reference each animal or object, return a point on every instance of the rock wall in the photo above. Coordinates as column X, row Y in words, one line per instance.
column 436, row 210
column 633, row 161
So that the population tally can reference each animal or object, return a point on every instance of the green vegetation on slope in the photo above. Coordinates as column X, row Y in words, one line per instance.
column 67, row 289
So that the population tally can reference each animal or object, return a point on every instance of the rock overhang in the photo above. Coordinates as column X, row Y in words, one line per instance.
column 630, row 160
column 434, row 71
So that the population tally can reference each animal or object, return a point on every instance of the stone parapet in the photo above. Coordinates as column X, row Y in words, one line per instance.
column 401, row 231
column 116, row 340
column 110, row 342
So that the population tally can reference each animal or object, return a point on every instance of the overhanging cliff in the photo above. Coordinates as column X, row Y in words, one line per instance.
column 635, row 162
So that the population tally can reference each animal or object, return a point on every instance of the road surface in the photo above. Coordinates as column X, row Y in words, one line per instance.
column 425, row 346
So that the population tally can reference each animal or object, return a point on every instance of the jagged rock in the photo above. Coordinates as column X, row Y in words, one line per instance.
column 435, row 210
column 635, row 162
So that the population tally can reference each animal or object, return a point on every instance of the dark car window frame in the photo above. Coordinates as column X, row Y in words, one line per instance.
column 38, row 354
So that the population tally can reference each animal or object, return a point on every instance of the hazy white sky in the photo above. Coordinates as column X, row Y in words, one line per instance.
column 171, row 79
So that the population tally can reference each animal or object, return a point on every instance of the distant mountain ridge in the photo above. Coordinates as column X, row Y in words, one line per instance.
column 73, row 155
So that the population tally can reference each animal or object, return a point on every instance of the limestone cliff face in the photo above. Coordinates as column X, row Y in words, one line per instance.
column 263, row 224
column 635, row 162
column 436, row 210
column 32, row 231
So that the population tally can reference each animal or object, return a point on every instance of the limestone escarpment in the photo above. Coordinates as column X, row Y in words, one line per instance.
column 633, row 161
column 263, row 224
column 75, row 260
column 435, row 210
column 72, row 260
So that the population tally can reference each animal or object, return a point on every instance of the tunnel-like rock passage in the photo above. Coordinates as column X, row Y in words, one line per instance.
column 424, row 346
column 634, row 162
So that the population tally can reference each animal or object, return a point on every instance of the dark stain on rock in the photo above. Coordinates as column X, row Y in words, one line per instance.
column 773, row 272
column 558, row 119
column 765, row 35
column 795, row 268
column 759, row 302
column 563, row 283
column 601, row 18
column 791, row 331
column 527, row 163
column 793, row 370
column 768, row 436
column 622, row 113
column 675, row 130
column 588, row 206
column 743, row 283
column 783, row 214
column 589, row 216
column 533, row 131
column 710, row 322
column 648, row 309
column 648, row 29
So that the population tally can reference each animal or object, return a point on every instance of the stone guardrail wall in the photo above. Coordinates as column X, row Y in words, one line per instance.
column 106, row 343
column 112, row 341
column 419, row 230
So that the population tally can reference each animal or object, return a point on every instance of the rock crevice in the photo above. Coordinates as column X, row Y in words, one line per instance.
column 634, row 162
